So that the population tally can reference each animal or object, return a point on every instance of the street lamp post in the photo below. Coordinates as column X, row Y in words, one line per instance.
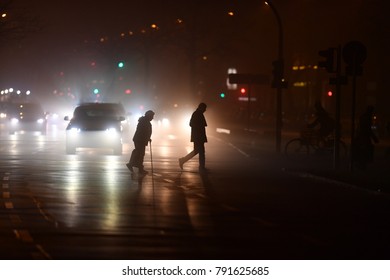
column 279, row 80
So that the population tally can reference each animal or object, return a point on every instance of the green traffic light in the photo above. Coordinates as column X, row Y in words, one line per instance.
column 96, row 91
column 222, row 95
column 121, row 64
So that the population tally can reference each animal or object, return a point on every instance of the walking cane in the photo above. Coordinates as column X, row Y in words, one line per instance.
column 151, row 163
column 151, row 156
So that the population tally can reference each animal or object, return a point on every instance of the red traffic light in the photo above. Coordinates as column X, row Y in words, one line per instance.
column 242, row 90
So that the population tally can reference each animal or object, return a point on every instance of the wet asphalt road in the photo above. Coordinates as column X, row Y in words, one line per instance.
column 89, row 206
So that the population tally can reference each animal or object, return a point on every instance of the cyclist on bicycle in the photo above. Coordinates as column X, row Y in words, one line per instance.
column 323, row 124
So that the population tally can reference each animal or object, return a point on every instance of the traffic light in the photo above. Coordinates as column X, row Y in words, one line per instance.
column 121, row 64
column 222, row 95
column 96, row 91
column 328, row 63
column 242, row 91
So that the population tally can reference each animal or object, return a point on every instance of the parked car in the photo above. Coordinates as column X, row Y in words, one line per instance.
column 26, row 117
column 95, row 125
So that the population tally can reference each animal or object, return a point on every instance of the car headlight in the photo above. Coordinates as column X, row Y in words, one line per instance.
column 74, row 130
column 111, row 130
column 40, row 121
column 14, row 121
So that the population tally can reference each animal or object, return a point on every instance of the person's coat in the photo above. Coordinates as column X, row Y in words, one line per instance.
column 198, row 127
column 143, row 132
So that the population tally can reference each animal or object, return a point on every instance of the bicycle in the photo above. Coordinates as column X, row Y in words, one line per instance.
column 309, row 143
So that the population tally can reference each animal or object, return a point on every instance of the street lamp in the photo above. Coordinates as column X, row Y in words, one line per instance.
column 280, row 83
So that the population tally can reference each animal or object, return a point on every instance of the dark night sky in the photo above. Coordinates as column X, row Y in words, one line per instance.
column 307, row 22
column 74, row 21
column 310, row 25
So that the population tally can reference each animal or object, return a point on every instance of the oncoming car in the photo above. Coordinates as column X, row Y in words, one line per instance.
column 95, row 125
column 27, row 117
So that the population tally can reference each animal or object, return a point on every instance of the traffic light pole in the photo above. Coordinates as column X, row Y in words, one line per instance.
column 279, row 85
column 331, row 56
column 249, row 107
column 338, row 102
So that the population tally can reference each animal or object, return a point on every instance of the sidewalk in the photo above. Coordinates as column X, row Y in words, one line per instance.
column 375, row 178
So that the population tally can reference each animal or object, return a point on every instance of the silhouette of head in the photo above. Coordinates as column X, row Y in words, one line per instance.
column 149, row 115
column 202, row 107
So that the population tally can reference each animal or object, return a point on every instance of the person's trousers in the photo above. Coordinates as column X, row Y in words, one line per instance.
column 137, row 156
column 198, row 149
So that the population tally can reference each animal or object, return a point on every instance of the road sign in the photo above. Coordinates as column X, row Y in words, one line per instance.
column 354, row 54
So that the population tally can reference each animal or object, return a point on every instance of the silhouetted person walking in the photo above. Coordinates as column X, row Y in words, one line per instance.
column 141, row 138
column 363, row 151
column 198, row 137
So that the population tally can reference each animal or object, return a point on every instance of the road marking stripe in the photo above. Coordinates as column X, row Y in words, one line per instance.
column 6, row 195
column 23, row 235
column 230, row 208
column 43, row 252
column 238, row 150
column 6, row 178
column 9, row 205
column 223, row 130
column 201, row 195
column 169, row 181
column 5, row 186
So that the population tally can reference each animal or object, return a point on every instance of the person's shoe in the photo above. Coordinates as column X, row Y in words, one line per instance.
column 130, row 167
column 142, row 172
column 181, row 163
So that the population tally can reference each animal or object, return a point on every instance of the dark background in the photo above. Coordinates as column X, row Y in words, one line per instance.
column 78, row 43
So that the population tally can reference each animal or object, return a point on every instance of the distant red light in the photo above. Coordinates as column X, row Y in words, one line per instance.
column 330, row 93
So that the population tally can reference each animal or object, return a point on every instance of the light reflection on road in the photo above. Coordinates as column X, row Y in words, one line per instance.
column 95, row 188
column 72, row 189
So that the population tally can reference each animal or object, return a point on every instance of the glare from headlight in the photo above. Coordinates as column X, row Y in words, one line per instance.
column 14, row 121
column 40, row 121
column 74, row 130
column 165, row 122
column 111, row 130
column 3, row 115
